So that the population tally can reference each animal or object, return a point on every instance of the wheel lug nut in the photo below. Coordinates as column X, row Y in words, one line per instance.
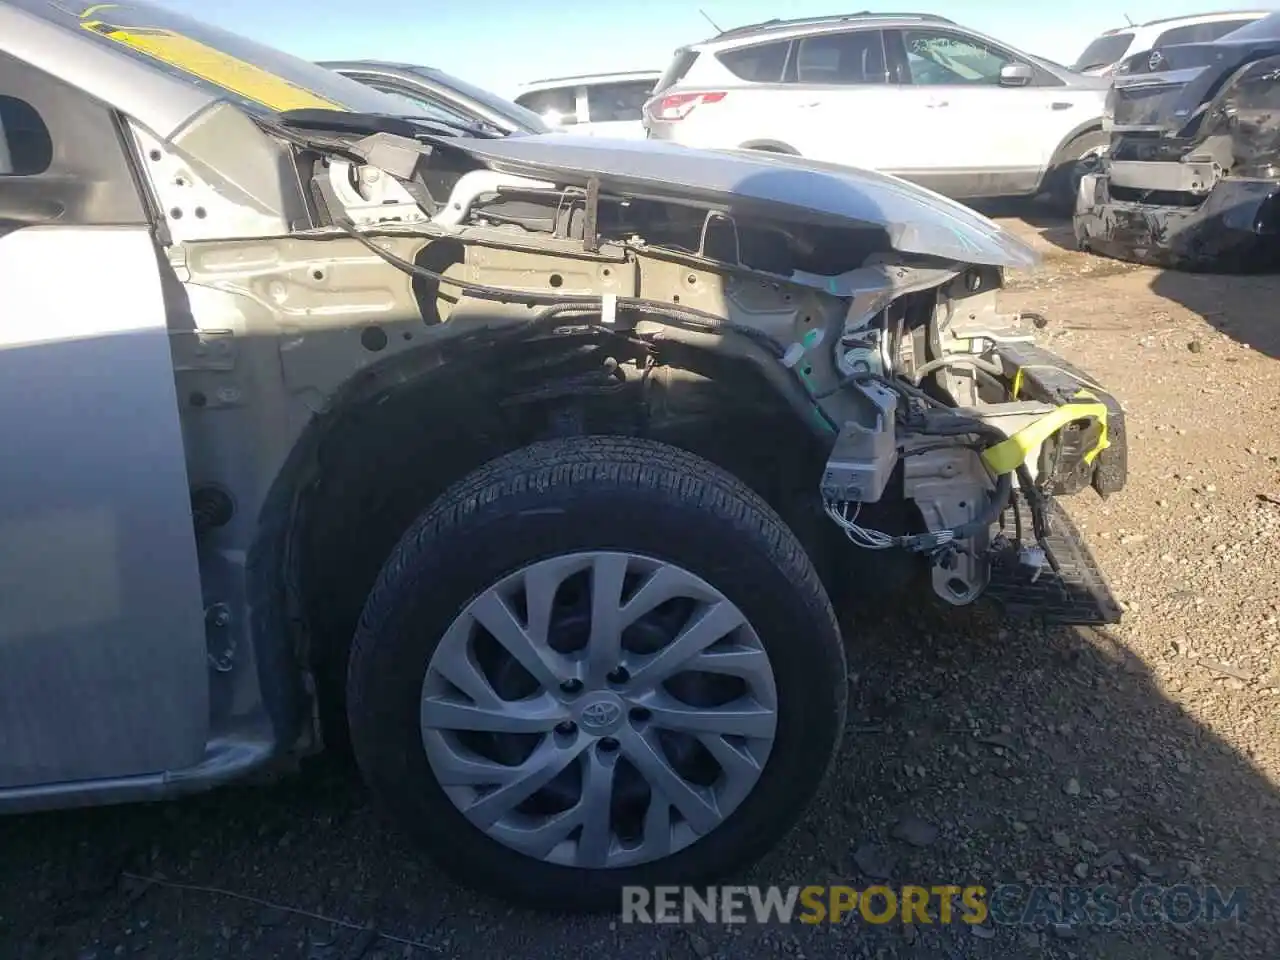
column 566, row 728
column 619, row 676
column 640, row 715
column 572, row 686
column 608, row 744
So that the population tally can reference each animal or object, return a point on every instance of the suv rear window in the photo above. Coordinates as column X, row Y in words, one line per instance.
column 1267, row 28
column 676, row 69
column 1104, row 51
column 617, row 101
column 1198, row 32
column 762, row 63
column 560, row 102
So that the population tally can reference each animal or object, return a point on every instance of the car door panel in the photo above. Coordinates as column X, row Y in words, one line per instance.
column 965, row 132
column 103, row 664
column 842, row 103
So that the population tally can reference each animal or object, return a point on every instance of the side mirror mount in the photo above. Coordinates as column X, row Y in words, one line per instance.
column 1016, row 75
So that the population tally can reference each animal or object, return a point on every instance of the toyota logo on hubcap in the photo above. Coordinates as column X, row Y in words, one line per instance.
column 600, row 715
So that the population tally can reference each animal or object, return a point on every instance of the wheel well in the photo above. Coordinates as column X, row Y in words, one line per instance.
column 1060, row 154
column 1052, row 172
column 382, row 460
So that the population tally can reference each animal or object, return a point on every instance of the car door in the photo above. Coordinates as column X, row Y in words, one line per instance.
column 842, row 107
column 103, row 663
column 617, row 109
column 975, row 119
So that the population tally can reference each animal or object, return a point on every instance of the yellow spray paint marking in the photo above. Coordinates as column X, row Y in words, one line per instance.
column 1006, row 456
column 214, row 66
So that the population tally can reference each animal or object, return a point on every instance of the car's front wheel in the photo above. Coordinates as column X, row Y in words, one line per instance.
column 596, row 662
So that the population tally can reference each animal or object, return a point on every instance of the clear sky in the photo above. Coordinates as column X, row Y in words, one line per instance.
column 502, row 43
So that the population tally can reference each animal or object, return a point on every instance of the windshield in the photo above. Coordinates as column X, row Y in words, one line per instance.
column 257, row 77
column 1268, row 28
column 1106, row 50
column 432, row 108
column 518, row 114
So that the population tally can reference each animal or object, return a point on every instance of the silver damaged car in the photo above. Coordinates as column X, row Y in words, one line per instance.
column 524, row 470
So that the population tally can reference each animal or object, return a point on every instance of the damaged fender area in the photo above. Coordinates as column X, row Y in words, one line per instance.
column 424, row 304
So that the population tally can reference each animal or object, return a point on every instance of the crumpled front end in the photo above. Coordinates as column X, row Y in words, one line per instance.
column 854, row 317
column 1201, row 194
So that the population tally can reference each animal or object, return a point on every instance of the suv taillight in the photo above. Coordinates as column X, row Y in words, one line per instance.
column 677, row 106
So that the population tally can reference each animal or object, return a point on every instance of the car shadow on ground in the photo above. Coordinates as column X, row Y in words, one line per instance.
column 977, row 751
column 1242, row 306
column 1050, row 225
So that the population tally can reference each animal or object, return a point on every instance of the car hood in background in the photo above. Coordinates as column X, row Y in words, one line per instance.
column 916, row 220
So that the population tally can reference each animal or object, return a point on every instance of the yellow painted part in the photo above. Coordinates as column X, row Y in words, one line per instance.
column 1007, row 456
column 214, row 66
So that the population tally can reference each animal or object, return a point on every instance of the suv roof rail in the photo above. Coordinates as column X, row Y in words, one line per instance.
column 1202, row 16
column 619, row 75
column 777, row 23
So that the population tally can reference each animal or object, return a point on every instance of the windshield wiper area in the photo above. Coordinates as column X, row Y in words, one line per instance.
column 344, row 121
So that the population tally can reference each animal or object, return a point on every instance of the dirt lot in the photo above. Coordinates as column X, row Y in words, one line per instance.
column 1147, row 754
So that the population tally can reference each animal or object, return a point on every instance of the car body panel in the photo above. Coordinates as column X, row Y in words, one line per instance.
column 98, row 581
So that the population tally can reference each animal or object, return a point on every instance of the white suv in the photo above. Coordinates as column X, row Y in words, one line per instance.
column 913, row 95
column 1103, row 54
column 598, row 105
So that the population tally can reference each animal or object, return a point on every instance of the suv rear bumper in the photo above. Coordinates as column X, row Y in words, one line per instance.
column 1233, row 224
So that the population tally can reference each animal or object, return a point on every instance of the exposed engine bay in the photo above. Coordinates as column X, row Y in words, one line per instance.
column 897, row 359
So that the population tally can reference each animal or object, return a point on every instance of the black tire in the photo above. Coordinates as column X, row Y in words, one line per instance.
column 563, row 496
column 1062, row 183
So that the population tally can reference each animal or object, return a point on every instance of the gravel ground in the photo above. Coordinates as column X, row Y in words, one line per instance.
column 977, row 751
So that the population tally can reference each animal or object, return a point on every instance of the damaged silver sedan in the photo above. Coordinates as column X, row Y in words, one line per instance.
column 1191, row 179
column 522, row 468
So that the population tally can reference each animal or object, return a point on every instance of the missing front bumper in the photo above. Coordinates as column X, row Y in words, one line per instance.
column 1076, row 593
column 1233, row 228
column 1067, row 586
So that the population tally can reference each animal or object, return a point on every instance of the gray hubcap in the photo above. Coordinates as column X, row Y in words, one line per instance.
column 599, row 710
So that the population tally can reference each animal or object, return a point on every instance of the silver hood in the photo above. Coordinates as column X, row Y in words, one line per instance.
column 916, row 220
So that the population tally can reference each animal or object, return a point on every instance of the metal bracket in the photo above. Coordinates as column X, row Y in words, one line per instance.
column 591, row 217
column 220, row 642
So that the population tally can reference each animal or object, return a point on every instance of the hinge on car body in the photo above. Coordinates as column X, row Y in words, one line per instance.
column 591, row 217
column 176, row 254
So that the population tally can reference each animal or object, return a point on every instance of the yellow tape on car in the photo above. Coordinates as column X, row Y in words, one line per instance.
column 212, row 65
column 1008, row 455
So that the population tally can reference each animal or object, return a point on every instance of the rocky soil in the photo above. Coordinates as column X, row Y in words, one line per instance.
column 977, row 751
